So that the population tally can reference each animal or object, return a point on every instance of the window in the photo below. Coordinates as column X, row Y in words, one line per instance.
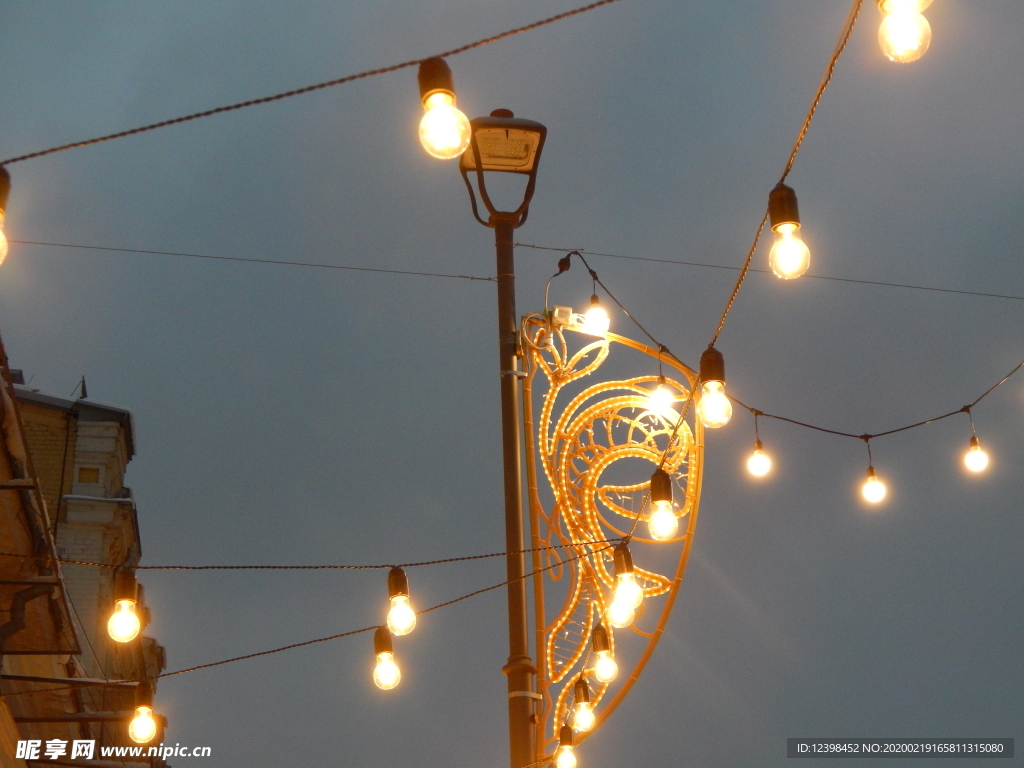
column 88, row 475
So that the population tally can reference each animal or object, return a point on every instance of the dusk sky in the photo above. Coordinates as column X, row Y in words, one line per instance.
column 289, row 415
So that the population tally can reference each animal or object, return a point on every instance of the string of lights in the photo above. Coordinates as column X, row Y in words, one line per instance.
column 254, row 261
column 768, row 272
column 462, row 559
column 792, row 261
column 759, row 463
column 308, row 88
column 588, row 550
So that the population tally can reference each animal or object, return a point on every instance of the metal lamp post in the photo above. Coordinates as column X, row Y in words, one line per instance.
column 504, row 143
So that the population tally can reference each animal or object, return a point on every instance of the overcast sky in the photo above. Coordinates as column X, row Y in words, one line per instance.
column 289, row 415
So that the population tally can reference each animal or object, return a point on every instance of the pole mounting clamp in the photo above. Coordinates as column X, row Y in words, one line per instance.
column 525, row 694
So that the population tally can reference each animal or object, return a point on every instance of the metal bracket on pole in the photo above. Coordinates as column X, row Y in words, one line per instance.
column 525, row 694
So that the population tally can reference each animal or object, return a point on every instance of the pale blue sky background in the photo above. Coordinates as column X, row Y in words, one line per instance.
column 300, row 416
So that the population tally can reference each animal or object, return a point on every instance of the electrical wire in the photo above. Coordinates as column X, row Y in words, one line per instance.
column 463, row 559
column 844, row 38
column 608, row 544
column 254, row 261
column 769, row 272
column 309, row 88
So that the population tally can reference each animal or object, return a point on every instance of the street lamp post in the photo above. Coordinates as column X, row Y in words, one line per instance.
column 506, row 144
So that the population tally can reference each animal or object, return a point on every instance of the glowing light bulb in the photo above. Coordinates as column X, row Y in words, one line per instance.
column 606, row 668
column 975, row 459
column 873, row 488
column 444, row 130
column 596, row 320
column 663, row 523
column 565, row 758
column 142, row 728
column 760, row 463
column 661, row 398
column 3, row 239
column 789, row 257
column 621, row 614
column 386, row 675
column 583, row 718
column 905, row 34
column 628, row 591
column 124, row 624
column 714, row 408
column 401, row 617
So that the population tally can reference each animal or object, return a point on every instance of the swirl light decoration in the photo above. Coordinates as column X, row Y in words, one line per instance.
column 596, row 444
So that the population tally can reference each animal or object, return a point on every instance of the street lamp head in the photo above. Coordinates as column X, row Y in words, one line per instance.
column 502, row 143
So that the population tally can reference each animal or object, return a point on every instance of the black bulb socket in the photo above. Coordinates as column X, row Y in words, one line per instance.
column 581, row 691
column 382, row 641
column 125, row 585
column 623, row 560
column 712, row 366
column 144, row 694
column 5, row 189
column 661, row 486
column 782, row 206
column 435, row 76
column 398, row 583
column 565, row 736
column 599, row 639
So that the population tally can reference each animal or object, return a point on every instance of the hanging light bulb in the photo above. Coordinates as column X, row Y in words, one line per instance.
column 714, row 408
column 905, row 33
column 583, row 712
column 564, row 756
column 873, row 488
column 445, row 131
column 627, row 595
column 596, row 320
column 789, row 256
column 975, row 459
column 605, row 668
column 142, row 729
column 661, row 398
column 5, row 190
column 401, row 617
column 662, row 522
column 386, row 675
column 124, row 624
column 760, row 463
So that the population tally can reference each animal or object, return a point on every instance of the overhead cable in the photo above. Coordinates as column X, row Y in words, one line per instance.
column 308, row 88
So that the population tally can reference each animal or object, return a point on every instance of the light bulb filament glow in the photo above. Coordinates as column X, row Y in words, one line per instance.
column 606, row 668
column 444, row 130
column 663, row 523
column 789, row 257
column 714, row 408
column 386, row 675
column 401, row 617
column 142, row 728
column 583, row 716
column 124, row 624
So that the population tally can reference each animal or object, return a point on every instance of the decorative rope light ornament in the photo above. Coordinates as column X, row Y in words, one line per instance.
column 386, row 675
column 714, row 408
column 662, row 522
column 565, row 757
column 789, row 257
column 905, row 33
column 5, row 191
column 444, row 130
column 606, row 668
column 124, row 624
column 143, row 727
column 583, row 712
column 401, row 616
